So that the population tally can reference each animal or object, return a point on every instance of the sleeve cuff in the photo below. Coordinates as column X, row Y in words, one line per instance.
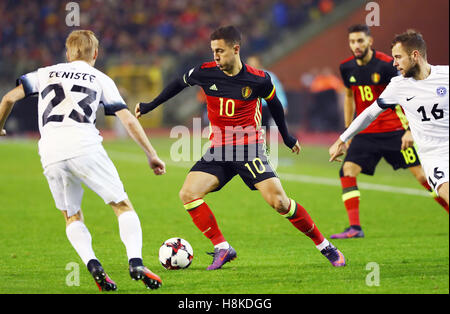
column 27, row 88
column 111, row 110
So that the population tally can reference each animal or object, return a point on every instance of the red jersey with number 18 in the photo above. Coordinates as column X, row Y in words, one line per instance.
column 367, row 83
column 233, row 102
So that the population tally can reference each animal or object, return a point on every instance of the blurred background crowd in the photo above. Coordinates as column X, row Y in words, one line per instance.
column 32, row 33
column 144, row 43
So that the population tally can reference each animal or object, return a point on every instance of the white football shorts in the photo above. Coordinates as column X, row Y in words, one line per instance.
column 436, row 171
column 95, row 170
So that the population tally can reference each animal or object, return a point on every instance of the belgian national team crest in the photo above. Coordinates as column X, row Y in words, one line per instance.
column 246, row 92
column 376, row 77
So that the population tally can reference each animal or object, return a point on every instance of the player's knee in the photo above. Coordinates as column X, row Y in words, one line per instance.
column 183, row 195
column 349, row 170
column 121, row 207
column 187, row 195
column 70, row 219
column 280, row 203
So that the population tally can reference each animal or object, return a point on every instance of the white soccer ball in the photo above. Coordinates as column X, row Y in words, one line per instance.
column 176, row 253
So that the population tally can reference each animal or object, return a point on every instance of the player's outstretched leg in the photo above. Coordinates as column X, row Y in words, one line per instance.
column 274, row 194
column 301, row 220
column 131, row 235
column 102, row 280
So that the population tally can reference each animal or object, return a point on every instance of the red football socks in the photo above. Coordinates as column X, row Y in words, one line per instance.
column 350, row 197
column 301, row 220
column 205, row 221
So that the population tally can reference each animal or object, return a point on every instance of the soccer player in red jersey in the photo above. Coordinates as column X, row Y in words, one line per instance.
column 233, row 91
column 366, row 74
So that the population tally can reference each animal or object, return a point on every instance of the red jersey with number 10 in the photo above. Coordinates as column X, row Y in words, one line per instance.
column 233, row 102
column 367, row 83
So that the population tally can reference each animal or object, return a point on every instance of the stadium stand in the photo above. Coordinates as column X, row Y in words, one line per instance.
column 168, row 34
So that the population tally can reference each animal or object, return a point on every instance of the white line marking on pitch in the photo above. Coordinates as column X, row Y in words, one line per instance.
column 130, row 157
column 140, row 158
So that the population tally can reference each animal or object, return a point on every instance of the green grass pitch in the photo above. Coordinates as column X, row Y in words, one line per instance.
column 406, row 235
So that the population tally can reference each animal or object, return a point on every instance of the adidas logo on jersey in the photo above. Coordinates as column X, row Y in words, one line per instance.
column 213, row 87
column 352, row 79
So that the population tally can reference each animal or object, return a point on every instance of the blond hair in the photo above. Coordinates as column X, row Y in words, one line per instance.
column 81, row 45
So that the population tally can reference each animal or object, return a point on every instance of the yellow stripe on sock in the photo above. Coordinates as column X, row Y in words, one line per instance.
column 193, row 204
column 292, row 209
column 350, row 195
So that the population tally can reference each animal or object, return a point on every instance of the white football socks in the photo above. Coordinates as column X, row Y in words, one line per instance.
column 323, row 245
column 222, row 246
column 131, row 234
column 81, row 240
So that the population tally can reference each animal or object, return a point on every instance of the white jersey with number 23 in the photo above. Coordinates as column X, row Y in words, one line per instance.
column 69, row 96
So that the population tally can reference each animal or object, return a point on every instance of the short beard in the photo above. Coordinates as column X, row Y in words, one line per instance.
column 364, row 54
column 227, row 67
column 413, row 71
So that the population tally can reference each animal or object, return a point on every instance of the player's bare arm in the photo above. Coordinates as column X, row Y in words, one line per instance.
column 359, row 124
column 349, row 107
column 7, row 104
column 137, row 133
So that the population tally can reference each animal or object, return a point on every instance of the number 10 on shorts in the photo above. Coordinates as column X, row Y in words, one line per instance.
column 257, row 165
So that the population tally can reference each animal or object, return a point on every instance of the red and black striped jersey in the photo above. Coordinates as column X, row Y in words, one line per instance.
column 233, row 102
column 367, row 83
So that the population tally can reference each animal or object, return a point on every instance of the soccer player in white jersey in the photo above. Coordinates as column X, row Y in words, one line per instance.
column 422, row 91
column 71, row 151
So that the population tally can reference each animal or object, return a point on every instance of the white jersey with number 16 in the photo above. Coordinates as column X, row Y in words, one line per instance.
column 425, row 103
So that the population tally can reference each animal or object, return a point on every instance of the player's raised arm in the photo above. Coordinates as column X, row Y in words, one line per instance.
column 7, row 104
column 360, row 123
column 170, row 91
